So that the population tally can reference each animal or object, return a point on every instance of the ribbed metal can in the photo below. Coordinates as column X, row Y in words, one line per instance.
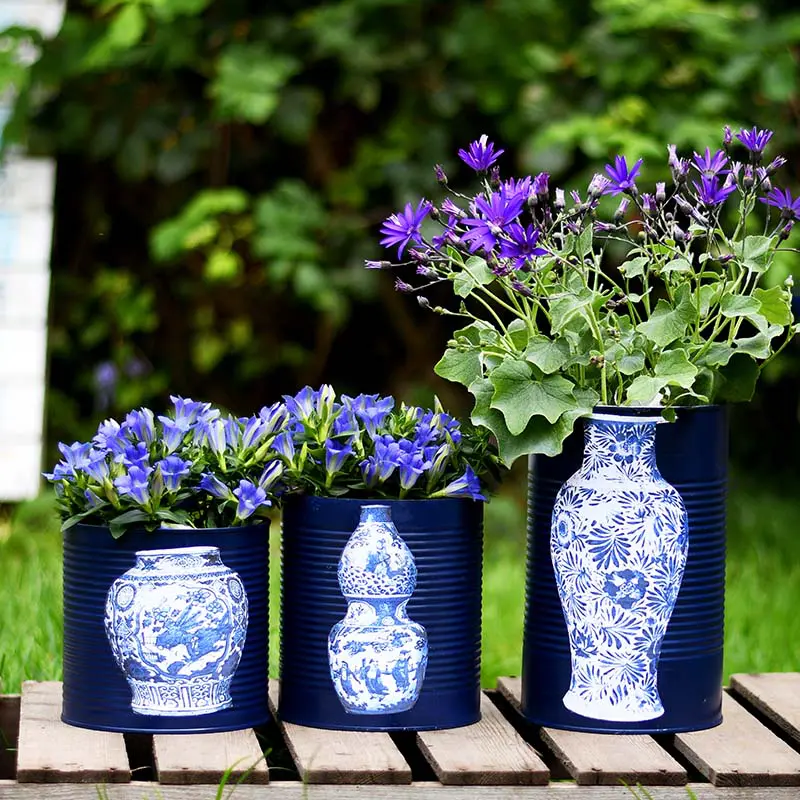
column 96, row 692
column 445, row 537
column 692, row 455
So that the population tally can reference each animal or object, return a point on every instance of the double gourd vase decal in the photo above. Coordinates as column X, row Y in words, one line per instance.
column 377, row 655
column 176, row 623
column 619, row 541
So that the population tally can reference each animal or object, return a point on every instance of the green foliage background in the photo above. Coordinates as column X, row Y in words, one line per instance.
column 224, row 166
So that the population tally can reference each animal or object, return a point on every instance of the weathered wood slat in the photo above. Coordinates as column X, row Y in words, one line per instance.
column 488, row 752
column 9, row 732
column 50, row 751
column 339, row 757
column 774, row 694
column 740, row 752
column 205, row 758
column 294, row 790
column 601, row 758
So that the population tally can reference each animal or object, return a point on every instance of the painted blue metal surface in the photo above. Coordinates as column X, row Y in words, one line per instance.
column 692, row 455
column 446, row 539
column 96, row 693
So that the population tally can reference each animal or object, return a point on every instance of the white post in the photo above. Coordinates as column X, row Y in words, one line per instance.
column 26, row 225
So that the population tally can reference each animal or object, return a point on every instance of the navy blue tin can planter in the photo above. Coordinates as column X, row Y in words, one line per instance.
column 445, row 537
column 692, row 456
column 166, row 631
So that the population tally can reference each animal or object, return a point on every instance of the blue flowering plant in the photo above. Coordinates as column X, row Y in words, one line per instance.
column 613, row 295
column 373, row 447
column 194, row 466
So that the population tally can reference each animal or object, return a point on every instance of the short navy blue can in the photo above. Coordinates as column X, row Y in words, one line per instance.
column 445, row 538
column 692, row 455
column 166, row 631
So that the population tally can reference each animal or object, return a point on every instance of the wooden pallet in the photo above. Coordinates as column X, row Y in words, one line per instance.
column 753, row 755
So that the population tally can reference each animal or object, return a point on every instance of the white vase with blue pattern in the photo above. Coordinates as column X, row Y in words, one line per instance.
column 176, row 623
column 619, row 540
column 377, row 655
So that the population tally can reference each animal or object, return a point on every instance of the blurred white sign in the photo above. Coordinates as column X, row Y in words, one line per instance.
column 20, row 469
column 21, row 412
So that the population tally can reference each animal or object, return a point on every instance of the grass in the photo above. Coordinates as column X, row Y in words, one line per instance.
column 763, row 585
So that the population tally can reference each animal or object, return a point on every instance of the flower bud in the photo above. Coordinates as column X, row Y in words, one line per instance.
column 494, row 177
column 785, row 232
column 622, row 209
column 424, row 302
column 378, row 264
column 441, row 175
column 402, row 286
column 727, row 135
column 748, row 179
column 661, row 192
column 560, row 201
column 789, row 282
column 775, row 165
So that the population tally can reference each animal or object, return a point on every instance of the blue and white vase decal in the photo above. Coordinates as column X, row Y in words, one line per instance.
column 177, row 623
column 377, row 655
column 619, row 540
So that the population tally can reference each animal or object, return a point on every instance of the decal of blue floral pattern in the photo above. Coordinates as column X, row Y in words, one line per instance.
column 177, row 623
column 619, row 540
column 377, row 655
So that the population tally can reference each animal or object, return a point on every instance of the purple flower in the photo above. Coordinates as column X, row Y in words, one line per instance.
column 283, row 443
column 541, row 185
column 481, row 154
column 497, row 212
column 449, row 207
column 173, row 470
column 411, row 466
column 274, row 417
column 446, row 235
column 710, row 193
column 92, row 499
column 269, row 477
column 250, row 497
column 214, row 486
column 513, row 187
column 370, row 409
column 400, row 229
column 105, row 383
column 141, row 424
column 136, row 484
column 136, row 455
column 623, row 180
column 467, row 485
column 335, row 455
column 97, row 466
column 754, row 140
column 709, row 164
column 520, row 244
column 173, row 431
column 782, row 199
column 110, row 436
column 186, row 410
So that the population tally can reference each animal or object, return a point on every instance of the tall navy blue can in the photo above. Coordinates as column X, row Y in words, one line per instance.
column 692, row 455
column 445, row 538
column 166, row 631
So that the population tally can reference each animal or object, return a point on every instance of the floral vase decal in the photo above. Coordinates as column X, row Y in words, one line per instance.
column 177, row 623
column 377, row 655
column 619, row 540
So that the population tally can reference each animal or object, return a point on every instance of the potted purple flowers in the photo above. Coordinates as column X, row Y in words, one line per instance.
column 610, row 309
column 429, row 475
column 166, row 545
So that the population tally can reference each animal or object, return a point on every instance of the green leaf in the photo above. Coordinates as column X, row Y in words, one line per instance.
column 475, row 273
column 459, row 366
column 120, row 524
column 760, row 345
column 677, row 265
column 123, row 32
column 222, row 266
column 575, row 303
column 754, row 252
column 539, row 436
column 644, row 389
column 635, row 267
column 739, row 376
column 776, row 305
column 583, row 244
column 518, row 334
column 733, row 305
column 249, row 81
column 630, row 364
column 674, row 366
column 717, row 355
column 666, row 324
column 549, row 355
column 519, row 396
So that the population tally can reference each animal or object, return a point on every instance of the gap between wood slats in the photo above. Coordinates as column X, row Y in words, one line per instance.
column 774, row 697
column 9, row 733
column 741, row 751
column 602, row 758
column 341, row 757
column 51, row 751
